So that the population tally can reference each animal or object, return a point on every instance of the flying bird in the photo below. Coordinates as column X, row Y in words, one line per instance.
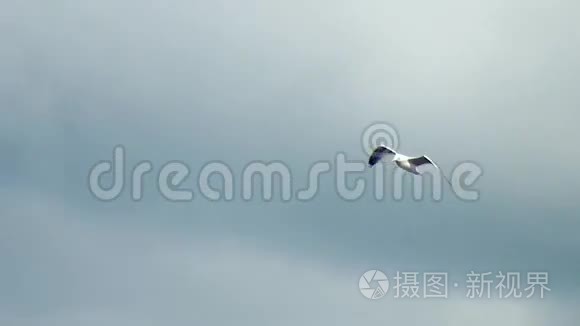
column 409, row 164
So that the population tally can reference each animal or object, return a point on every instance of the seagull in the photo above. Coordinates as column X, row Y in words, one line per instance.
column 409, row 164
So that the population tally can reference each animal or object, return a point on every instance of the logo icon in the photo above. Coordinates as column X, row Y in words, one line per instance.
column 373, row 284
column 380, row 133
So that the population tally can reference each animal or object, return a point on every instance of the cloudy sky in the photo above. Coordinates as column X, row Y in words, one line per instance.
column 491, row 82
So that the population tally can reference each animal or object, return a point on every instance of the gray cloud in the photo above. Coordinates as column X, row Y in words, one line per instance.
column 66, row 269
column 197, row 81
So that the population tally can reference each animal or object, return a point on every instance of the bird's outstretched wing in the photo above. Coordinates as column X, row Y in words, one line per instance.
column 379, row 153
column 424, row 160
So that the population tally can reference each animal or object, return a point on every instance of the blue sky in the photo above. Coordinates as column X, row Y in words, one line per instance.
column 491, row 82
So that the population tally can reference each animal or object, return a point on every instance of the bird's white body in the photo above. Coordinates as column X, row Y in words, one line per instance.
column 402, row 161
